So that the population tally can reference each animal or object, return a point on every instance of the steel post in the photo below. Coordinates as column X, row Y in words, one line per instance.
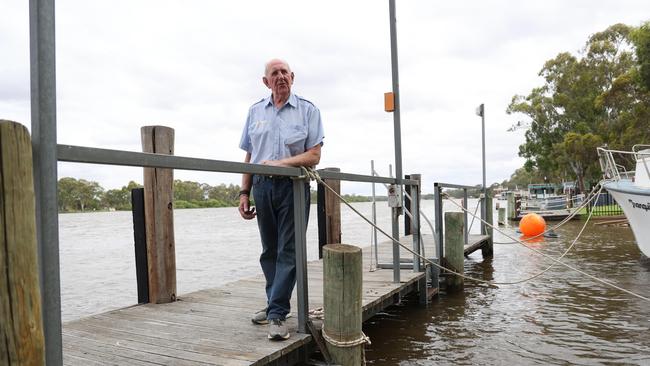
column 395, row 234
column 374, row 214
column 438, row 219
column 415, row 209
column 43, row 109
column 395, row 75
column 300, row 227
column 466, row 206
column 483, row 205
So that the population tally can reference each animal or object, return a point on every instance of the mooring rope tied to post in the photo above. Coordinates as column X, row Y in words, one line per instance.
column 363, row 339
column 313, row 175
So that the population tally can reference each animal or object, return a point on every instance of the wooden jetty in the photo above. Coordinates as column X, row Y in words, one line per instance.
column 213, row 327
column 208, row 327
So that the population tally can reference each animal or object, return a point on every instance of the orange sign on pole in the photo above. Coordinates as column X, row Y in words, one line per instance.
column 389, row 102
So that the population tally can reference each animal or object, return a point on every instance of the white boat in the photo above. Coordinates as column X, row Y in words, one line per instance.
column 631, row 189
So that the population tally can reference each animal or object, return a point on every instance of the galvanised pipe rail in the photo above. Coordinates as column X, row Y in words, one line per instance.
column 438, row 211
column 91, row 155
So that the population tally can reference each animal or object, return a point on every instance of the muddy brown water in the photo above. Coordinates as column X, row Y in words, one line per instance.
column 561, row 318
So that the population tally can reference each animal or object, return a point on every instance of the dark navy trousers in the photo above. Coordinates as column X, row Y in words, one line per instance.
column 275, row 219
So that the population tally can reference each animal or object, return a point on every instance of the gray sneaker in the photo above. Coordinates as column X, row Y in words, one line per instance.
column 260, row 317
column 278, row 330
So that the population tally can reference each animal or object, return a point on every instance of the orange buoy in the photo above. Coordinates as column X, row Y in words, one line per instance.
column 532, row 224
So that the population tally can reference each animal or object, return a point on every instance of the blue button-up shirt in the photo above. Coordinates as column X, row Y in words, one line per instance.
column 274, row 134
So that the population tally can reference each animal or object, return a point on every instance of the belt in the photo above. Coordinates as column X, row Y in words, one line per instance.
column 273, row 177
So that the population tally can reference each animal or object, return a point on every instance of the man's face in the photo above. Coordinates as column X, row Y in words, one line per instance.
column 278, row 78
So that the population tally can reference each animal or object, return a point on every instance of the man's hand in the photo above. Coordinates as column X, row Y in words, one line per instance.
column 275, row 163
column 245, row 210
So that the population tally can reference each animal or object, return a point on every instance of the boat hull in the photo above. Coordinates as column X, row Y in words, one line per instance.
column 635, row 203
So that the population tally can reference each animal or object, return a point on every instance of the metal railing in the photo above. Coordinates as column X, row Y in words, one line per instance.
column 414, row 221
column 438, row 210
column 604, row 205
column 612, row 170
column 89, row 155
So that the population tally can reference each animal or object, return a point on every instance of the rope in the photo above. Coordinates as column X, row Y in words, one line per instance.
column 606, row 283
column 591, row 196
column 363, row 339
column 314, row 175
column 474, row 215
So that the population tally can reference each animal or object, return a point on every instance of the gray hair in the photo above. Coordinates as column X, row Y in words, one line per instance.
column 268, row 64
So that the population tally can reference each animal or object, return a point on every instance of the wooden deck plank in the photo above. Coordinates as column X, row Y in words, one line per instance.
column 122, row 353
column 222, row 341
column 212, row 326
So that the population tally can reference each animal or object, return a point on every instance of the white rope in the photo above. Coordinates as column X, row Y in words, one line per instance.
column 314, row 175
column 363, row 339
column 606, row 283
column 591, row 196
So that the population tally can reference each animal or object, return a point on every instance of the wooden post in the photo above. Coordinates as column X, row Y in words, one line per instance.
column 454, row 248
column 21, row 320
column 342, row 290
column 502, row 215
column 510, row 196
column 488, row 249
column 329, row 213
column 159, row 216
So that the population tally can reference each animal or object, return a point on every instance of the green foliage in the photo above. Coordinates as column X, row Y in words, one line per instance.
column 641, row 39
column 81, row 195
column 188, row 191
column 522, row 177
column 587, row 100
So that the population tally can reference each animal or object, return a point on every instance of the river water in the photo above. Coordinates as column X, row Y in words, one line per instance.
column 559, row 318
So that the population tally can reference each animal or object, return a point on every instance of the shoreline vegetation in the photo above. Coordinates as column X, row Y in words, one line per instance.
column 80, row 195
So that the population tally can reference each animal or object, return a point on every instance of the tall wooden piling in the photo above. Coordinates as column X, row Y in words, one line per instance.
column 454, row 248
column 159, row 216
column 510, row 196
column 329, row 213
column 21, row 319
column 342, row 290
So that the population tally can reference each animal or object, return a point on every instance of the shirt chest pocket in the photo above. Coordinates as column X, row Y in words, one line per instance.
column 260, row 130
column 294, row 138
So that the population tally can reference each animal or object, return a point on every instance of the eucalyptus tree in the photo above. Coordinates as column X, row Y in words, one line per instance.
column 586, row 100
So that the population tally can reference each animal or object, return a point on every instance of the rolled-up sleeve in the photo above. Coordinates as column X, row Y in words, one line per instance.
column 245, row 142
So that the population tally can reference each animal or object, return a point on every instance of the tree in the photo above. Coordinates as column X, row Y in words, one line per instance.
column 590, row 99
column 120, row 199
column 79, row 195
column 89, row 195
column 187, row 191
column 641, row 39
column 67, row 193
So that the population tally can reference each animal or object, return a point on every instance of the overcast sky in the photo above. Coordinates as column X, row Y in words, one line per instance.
column 196, row 66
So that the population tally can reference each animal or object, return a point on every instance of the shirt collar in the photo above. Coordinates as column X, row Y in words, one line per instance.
column 293, row 100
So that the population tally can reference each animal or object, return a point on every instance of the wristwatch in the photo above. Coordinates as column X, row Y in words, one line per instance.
column 244, row 192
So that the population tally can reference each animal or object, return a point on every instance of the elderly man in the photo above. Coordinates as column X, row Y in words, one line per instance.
column 281, row 130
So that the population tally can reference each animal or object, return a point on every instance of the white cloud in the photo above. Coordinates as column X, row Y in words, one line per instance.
column 197, row 66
